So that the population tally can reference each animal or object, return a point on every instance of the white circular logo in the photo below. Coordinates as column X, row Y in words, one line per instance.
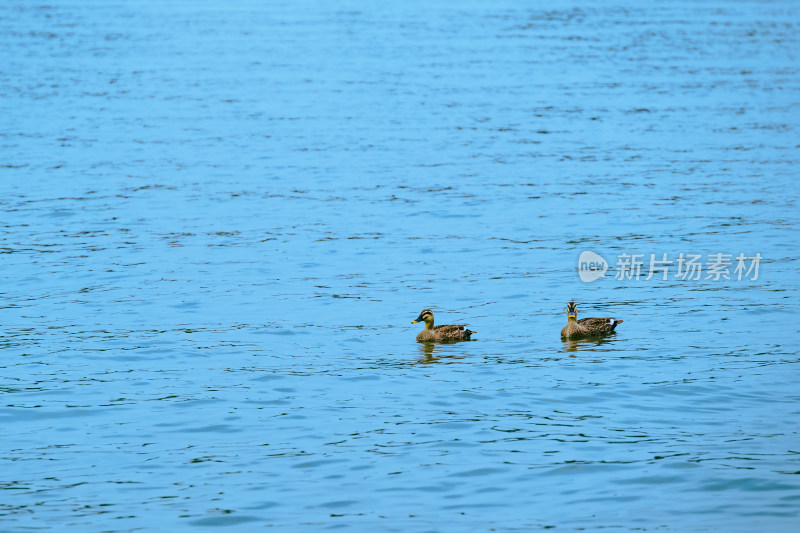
column 591, row 266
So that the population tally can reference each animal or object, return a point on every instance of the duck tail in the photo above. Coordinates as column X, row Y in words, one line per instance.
column 614, row 325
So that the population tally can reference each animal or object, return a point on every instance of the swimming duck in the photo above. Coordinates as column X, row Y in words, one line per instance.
column 447, row 333
column 586, row 327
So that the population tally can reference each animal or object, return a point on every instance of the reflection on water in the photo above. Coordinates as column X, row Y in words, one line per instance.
column 427, row 349
column 431, row 355
column 574, row 345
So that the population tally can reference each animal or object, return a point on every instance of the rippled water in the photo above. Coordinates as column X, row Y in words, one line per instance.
column 219, row 219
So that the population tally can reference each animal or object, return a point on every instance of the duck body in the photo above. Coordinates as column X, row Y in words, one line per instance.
column 586, row 327
column 447, row 333
column 444, row 333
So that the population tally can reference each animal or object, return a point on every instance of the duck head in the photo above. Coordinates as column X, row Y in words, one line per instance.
column 572, row 311
column 425, row 316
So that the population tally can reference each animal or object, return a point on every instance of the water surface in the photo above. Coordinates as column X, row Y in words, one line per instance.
column 219, row 219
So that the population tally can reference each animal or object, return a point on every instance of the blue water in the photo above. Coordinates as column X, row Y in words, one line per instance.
column 220, row 218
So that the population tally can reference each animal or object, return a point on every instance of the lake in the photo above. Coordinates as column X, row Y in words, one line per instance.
column 220, row 218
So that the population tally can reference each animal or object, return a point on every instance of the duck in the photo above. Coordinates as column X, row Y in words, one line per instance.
column 586, row 327
column 445, row 333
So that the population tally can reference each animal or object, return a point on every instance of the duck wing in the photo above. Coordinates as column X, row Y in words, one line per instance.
column 449, row 328
column 453, row 331
column 599, row 325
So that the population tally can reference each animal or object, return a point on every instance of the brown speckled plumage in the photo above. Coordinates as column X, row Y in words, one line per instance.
column 586, row 327
column 445, row 333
